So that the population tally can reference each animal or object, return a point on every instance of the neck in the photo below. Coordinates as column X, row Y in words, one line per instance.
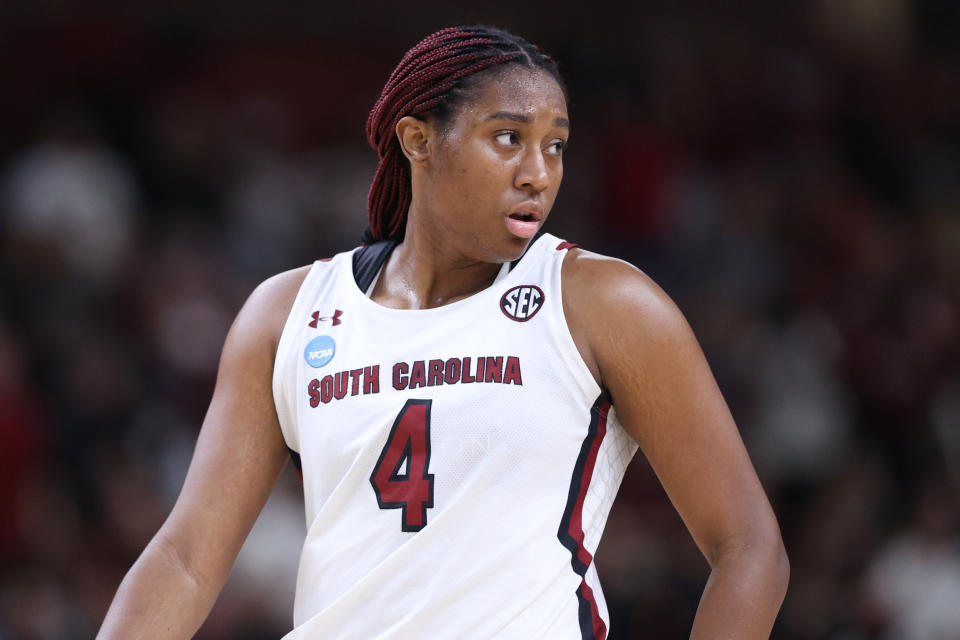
column 425, row 272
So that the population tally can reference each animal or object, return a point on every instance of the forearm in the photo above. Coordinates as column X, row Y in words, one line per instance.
column 160, row 597
column 743, row 594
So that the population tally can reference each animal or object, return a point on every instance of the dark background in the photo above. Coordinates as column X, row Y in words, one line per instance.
column 788, row 172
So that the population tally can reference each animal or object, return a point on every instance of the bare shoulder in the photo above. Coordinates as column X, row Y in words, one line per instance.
column 612, row 291
column 278, row 292
column 623, row 324
column 265, row 311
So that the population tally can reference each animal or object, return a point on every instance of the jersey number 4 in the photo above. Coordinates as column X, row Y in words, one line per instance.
column 400, row 478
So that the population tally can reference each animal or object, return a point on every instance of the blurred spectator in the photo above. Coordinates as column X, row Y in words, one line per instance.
column 71, row 198
column 914, row 582
column 23, row 435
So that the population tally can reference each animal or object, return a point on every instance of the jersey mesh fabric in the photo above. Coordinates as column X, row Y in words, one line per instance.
column 489, row 560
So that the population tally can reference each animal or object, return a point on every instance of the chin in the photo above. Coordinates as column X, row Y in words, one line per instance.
column 498, row 247
column 513, row 248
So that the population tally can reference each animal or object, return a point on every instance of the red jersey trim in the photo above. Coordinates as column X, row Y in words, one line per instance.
column 571, row 533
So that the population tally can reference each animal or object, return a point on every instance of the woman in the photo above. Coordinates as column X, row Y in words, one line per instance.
column 462, row 396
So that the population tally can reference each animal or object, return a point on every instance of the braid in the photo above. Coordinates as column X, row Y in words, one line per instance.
column 425, row 82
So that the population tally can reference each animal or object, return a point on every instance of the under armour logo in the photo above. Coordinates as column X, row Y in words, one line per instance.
column 318, row 318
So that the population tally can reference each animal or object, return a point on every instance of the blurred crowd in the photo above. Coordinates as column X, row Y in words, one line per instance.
column 790, row 175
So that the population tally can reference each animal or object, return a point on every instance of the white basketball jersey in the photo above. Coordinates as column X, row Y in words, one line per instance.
column 458, row 463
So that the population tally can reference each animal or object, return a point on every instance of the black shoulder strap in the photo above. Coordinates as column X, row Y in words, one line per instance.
column 532, row 242
column 295, row 457
column 367, row 261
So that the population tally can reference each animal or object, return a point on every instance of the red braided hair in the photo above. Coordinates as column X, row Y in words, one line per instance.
column 424, row 82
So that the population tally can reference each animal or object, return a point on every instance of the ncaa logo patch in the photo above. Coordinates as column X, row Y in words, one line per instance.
column 522, row 303
column 320, row 351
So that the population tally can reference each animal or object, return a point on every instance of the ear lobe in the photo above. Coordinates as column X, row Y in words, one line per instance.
column 414, row 137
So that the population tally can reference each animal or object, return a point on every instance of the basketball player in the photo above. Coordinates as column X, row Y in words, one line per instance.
column 461, row 396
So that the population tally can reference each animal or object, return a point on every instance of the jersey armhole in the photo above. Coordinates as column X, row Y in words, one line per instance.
column 284, row 405
column 574, row 359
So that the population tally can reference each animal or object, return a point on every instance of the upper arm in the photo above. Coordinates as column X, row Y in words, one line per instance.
column 240, row 451
column 644, row 353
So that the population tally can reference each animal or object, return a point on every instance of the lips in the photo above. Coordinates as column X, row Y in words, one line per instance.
column 525, row 219
column 524, row 216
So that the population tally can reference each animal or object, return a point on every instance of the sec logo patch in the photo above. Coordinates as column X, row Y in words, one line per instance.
column 522, row 303
column 320, row 351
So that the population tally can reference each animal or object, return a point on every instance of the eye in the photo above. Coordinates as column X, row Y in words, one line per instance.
column 507, row 138
column 556, row 147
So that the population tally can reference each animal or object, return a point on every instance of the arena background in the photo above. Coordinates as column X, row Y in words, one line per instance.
column 789, row 173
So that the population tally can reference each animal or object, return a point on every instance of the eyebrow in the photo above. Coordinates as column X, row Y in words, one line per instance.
column 519, row 117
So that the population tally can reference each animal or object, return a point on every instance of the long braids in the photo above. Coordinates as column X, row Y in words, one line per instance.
column 424, row 83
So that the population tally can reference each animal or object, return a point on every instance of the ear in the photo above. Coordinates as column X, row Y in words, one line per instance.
column 414, row 136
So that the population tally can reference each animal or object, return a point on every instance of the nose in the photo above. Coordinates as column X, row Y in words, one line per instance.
column 532, row 173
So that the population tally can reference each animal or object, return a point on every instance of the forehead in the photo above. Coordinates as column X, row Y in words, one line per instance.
column 518, row 90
